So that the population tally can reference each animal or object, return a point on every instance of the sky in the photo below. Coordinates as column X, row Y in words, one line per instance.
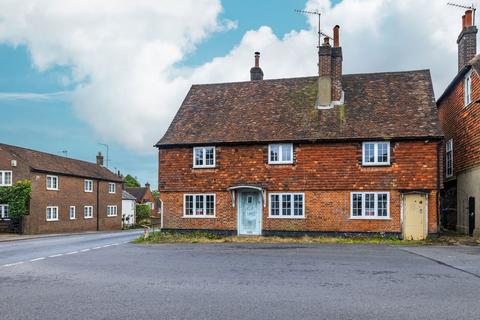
column 78, row 74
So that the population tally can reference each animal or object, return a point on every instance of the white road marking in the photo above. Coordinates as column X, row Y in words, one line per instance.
column 96, row 248
column 12, row 264
column 73, row 252
column 37, row 259
column 56, row 255
column 106, row 246
column 84, row 250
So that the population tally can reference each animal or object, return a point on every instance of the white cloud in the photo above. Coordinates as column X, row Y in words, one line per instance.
column 32, row 96
column 124, row 53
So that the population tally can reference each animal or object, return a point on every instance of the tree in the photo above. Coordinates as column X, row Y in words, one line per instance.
column 131, row 182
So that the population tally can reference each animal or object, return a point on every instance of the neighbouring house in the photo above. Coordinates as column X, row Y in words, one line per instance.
column 68, row 195
column 333, row 153
column 459, row 112
column 128, row 209
column 144, row 196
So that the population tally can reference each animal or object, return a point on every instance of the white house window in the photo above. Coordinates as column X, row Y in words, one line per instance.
column 52, row 213
column 376, row 153
column 467, row 88
column 71, row 213
column 88, row 212
column 287, row 205
column 88, row 185
column 111, row 187
column 204, row 157
column 3, row 211
column 370, row 205
column 52, row 183
column 5, row 178
column 449, row 158
column 280, row 153
column 199, row 205
column 111, row 211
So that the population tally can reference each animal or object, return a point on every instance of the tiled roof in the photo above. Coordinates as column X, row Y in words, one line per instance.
column 45, row 162
column 472, row 64
column 127, row 196
column 377, row 106
column 138, row 192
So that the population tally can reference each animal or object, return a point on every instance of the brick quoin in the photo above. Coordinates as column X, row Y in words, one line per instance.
column 326, row 173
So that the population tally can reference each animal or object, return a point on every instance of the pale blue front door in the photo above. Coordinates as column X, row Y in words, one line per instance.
column 249, row 213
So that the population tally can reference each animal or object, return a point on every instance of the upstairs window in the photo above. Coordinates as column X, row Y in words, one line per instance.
column 204, row 157
column 111, row 187
column 449, row 158
column 370, row 205
column 3, row 211
column 467, row 89
column 88, row 185
column 5, row 178
column 52, row 183
column 280, row 153
column 376, row 153
column 199, row 205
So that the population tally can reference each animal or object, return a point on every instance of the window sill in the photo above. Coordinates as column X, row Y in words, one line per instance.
column 198, row 217
column 370, row 218
column 204, row 167
column 52, row 220
column 280, row 163
column 287, row 217
column 376, row 164
column 112, row 216
column 87, row 218
column 48, row 189
column 88, row 191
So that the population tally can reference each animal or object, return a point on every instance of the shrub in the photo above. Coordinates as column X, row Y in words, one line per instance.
column 143, row 212
column 17, row 197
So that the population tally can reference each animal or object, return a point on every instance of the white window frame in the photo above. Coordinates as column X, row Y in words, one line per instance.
column 51, row 215
column 280, row 153
column 112, row 187
column 111, row 211
column 4, row 216
column 376, row 216
column 292, row 195
column 52, row 178
column 87, row 182
column 204, row 157
column 467, row 89
column 448, row 148
column 204, row 209
column 375, row 153
column 90, row 216
column 70, row 211
column 3, row 174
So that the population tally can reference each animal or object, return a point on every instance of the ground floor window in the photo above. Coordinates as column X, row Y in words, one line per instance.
column 52, row 213
column 370, row 205
column 72, row 212
column 111, row 211
column 3, row 211
column 88, row 212
column 199, row 205
column 287, row 205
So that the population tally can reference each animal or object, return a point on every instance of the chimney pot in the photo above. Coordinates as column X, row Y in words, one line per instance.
column 463, row 22
column 336, row 36
column 147, row 185
column 100, row 159
column 326, row 42
column 468, row 18
column 256, row 72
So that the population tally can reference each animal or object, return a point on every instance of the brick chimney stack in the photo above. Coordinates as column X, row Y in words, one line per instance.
column 330, row 91
column 467, row 40
column 100, row 159
column 256, row 72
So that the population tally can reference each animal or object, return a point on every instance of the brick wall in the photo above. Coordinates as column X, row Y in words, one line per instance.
column 327, row 173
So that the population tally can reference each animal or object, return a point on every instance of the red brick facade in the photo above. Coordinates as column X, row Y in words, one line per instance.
column 325, row 173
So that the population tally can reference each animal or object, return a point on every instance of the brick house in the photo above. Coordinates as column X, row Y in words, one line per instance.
column 68, row 195
column 459, row 112
column 144, row 195
column 333, row 153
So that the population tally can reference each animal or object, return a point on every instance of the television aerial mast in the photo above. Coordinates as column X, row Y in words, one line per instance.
column 471, row 7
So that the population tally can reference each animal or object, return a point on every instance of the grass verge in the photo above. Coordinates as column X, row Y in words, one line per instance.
column 204, row 237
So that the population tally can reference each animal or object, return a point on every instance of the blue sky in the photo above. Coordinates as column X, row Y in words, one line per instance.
column 62, row 89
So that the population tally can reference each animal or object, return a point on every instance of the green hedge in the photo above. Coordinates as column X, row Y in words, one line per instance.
column 143, row 212
column 17, row 197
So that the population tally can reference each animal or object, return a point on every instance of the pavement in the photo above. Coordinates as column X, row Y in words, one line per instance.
column 116, row 279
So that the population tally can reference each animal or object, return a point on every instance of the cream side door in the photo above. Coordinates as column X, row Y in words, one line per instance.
column 414, row 217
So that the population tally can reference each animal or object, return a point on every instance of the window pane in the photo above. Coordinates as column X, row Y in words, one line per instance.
column 286, row 152
column 298, row 205
column 5, row 211
column 199, row 156
column 275, row 205
column 188, row 205
column 382, row 204
column 286, row 205
column 369, row 152
column 369, row 205
column 8, row 178
column 199, row 200
column 357, row 204
column 209, row 156
column 210, row 205
column 383, row 152
column 274, row 152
